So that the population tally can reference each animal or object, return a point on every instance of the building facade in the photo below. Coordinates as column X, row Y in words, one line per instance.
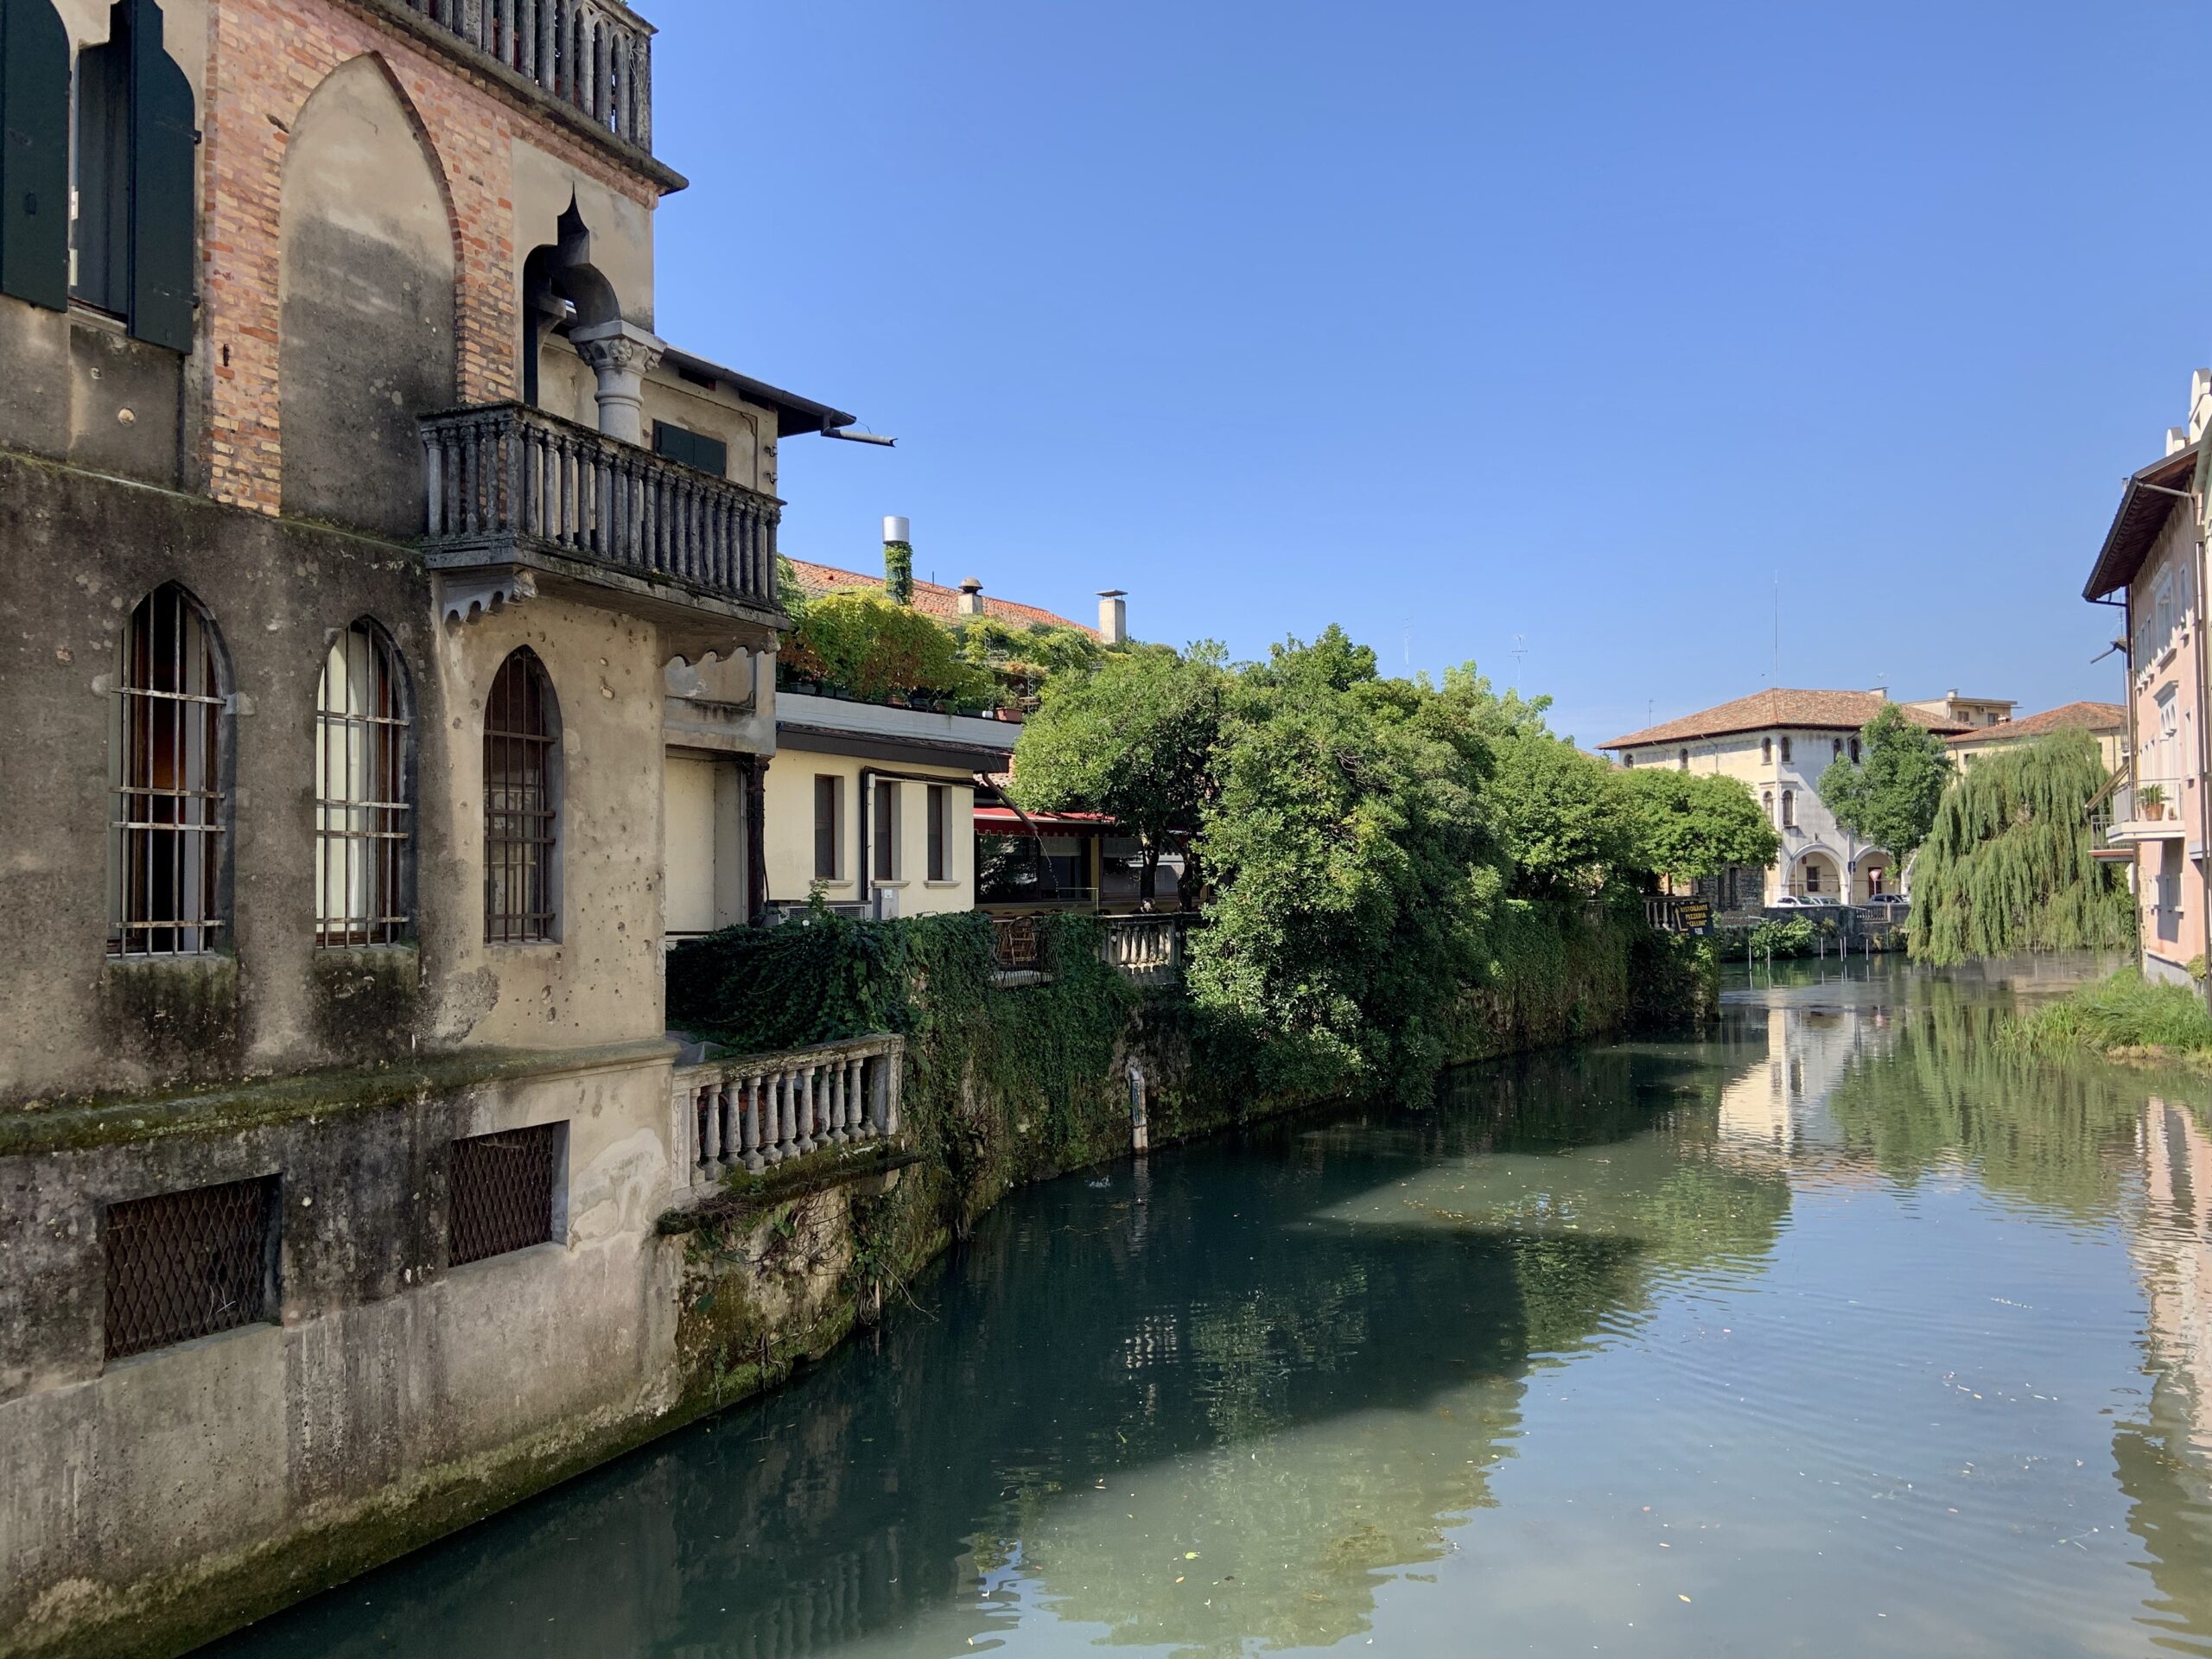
column 2105, row 722
column 1777, row 743
column 389, row 661
column 2151, row 568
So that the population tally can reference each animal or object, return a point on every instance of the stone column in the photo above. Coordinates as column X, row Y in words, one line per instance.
column 621, row 355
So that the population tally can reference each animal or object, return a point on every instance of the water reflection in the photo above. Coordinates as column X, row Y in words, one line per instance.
column 1836, row 1332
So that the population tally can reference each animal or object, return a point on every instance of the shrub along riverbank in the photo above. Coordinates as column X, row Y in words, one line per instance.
column 2119, row 1018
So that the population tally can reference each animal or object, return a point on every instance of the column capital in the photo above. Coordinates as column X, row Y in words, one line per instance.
column 619, row 346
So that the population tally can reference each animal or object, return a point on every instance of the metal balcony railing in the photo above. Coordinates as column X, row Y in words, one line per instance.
column 594, row 55
column 504, row 481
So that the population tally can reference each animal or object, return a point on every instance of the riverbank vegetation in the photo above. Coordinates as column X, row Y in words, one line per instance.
column 2008, row 867
column 2124, row 1017
column 1371, row 854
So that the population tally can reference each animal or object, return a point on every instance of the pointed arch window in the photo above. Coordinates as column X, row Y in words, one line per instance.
column 364, row 814
column 522, row 804
column 167, row 748
column 1766, row 751
column 1789, row 809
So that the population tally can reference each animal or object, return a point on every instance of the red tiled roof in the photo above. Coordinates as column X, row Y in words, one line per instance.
column 1779, row 709
column 931, row 598
column 2067, row 717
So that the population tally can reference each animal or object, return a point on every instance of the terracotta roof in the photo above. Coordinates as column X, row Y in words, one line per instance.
column 1779, row 709
column 931, row 598
column 2067, row 717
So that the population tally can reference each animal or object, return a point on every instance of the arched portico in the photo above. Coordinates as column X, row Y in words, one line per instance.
column 1873, row 874
column 1816, row 874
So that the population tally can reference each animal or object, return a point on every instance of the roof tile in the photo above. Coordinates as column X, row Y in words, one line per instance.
column 932, row 598
column 2067, row 717
column 1779, row 708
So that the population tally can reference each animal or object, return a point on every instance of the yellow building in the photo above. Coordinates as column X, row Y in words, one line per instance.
column 2106, row 722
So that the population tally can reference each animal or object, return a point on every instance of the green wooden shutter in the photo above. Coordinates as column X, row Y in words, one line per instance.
column 692, row 449
column 33, row 154
column 164, row 252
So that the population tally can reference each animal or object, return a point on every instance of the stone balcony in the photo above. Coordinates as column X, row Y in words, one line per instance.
column 522, row 502
column 588, row 62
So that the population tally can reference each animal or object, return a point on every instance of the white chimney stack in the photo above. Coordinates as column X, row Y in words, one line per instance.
column 896, row 529
column 971, row 597
column 1113, row 616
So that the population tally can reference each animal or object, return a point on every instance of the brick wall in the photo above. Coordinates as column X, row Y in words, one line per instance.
column 265, row 59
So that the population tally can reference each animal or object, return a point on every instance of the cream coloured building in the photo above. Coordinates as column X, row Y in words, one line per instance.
column 1779, row 742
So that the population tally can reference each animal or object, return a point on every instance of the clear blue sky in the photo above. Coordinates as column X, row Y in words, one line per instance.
column 1469, row 325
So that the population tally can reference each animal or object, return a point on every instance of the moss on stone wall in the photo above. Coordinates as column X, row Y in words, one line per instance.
column 363, row 1003
column 179, row 1015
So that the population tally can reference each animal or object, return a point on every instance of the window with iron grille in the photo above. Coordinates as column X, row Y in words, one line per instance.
column 887, row 861
column 828, row 838
column 501, row 1191
column 165, row 741
column 363, row 826
column 522, row 804
column 182, row 1265
column 940, row 814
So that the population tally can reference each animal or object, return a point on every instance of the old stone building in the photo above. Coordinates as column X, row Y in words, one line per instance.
column 369, row 556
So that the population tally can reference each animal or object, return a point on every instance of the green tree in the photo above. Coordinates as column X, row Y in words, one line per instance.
column 1557, row 813
column 1134, row 740
column 2008, row 865
column 1686, row 826
column 1351, row 870
column 1891, row 798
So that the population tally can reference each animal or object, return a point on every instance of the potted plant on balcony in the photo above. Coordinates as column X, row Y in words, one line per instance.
column 2151, row 800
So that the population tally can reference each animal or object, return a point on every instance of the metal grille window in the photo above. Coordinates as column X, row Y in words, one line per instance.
column 521, row 802
column 501, row 1191
column 829, row 841
column 166, row 754
column 363, row 826
column 940, row 813
column 188, row 1264
column 888, row 860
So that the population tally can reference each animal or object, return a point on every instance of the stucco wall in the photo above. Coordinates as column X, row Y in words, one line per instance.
column 2166, row 657
column 790, row 806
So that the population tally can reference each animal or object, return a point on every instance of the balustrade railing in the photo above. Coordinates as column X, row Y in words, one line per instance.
column 753, row 1111
column 1147, row 948
column 594, row 55
column 504, row 477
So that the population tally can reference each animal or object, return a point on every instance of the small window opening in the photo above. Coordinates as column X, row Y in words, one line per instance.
column 521, row 803
column 829, row 839
column 169, row 726
column 886, row 860
column 184, row 1265
column 940, row 812
column 501, row 1191
column 363, row 817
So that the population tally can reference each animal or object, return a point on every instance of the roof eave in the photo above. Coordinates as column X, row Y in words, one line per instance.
column 794, row 415
column 2137, row 522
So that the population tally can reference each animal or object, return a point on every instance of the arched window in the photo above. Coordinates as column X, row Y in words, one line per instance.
column 522, row 804
column 1766, row 751
column 1629, row 760
column 1685, row 760
column 363, row 824
column 1785, row 751
column 1766, row 804
column 1789, row 809
column 1836, row 754
column 166, row 744
column 1854, row 751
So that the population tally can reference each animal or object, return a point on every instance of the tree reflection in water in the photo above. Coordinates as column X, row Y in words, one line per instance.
column 1216, row 1406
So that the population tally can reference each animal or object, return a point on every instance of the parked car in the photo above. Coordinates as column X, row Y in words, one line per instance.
column 1892, row 905
column 1802, row 901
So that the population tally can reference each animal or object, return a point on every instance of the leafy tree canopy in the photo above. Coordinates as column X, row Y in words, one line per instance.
column 861, row 642
column 1890, row 799
column 1690, row 825
column 1135, row 740
column 2007, row 866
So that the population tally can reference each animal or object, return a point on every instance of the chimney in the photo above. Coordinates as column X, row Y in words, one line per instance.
column 1883, row 692
column 897, row 560
column 971, row 597
column 2200, row 394
column 1113, row 616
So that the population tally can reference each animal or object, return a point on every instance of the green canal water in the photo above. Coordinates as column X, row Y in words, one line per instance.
column 1834, row 1334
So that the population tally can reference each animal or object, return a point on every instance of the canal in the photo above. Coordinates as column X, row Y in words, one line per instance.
column 1836, row 1334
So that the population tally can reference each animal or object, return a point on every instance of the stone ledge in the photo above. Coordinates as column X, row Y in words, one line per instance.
column 743, row 1192
column 78, row 1125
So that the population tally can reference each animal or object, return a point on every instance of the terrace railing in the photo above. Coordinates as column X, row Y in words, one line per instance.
column 595, row 55
column 1146, row 948
column 505, row 480
column 752, row 1111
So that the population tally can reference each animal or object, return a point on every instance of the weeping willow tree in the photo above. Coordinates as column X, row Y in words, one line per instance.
column 2007, row 866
